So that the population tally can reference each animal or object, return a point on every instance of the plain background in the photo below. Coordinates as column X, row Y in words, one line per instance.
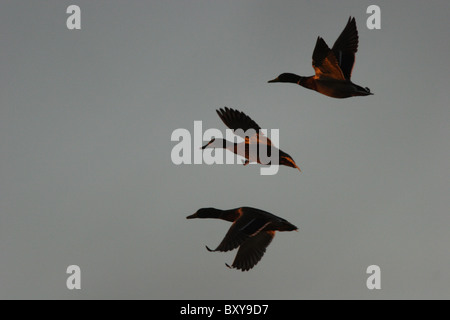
column 86, row 176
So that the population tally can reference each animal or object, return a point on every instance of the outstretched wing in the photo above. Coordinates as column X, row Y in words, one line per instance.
column 252, row 250
column 240, row 231
column 325, row 63
column 236, row 120
column 345, row 47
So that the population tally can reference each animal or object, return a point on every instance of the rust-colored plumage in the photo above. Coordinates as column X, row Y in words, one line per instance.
column 333, row 67
column 242, row 125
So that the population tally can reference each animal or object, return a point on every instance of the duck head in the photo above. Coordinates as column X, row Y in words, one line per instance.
column 204, row 213
column 215, row 143
column 286, row 77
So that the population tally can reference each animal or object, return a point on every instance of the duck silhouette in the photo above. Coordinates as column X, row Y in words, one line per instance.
column 252, row 231
column 333, row 67
column 242, row 125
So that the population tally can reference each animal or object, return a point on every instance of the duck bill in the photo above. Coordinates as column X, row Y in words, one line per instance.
column 192, row 216
column 274, row 80
column 206, row 145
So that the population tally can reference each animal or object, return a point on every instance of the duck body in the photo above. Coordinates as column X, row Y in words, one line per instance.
column 252, row 231
column 251, row 152
column 334, row 88
column 251, row 147
column 333, row 67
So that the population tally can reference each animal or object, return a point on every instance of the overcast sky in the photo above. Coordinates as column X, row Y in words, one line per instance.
column 86, row 178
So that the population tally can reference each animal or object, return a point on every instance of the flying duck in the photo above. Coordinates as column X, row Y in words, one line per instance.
column 241, row 124
column 333, row 67
column 252, row 231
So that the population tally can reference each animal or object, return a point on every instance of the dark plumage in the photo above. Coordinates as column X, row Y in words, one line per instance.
column 333, row 67
column 240, row 123
column 252, row 231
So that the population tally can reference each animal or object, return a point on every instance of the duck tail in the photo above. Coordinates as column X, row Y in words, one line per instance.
column 368, row 91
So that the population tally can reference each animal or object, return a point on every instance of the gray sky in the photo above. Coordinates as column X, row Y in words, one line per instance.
column 86, row 176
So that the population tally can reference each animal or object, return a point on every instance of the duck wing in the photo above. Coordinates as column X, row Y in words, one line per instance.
column 345, row 47
column 240, row 231
column 252, row 250
column 325, row 63
column 236, row 120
